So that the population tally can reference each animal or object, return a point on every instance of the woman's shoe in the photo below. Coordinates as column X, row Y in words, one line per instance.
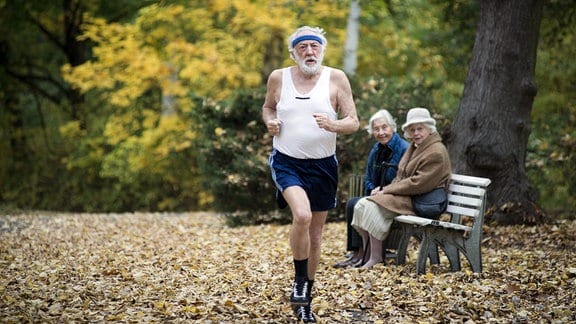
column 359, row 264
column 346, row 263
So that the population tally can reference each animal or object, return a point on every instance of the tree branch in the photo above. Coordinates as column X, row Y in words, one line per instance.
column 52, row 37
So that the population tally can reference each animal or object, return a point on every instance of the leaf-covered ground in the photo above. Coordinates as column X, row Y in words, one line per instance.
column 190, row 267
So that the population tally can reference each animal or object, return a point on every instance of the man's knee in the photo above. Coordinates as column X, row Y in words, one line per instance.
column 302, row 217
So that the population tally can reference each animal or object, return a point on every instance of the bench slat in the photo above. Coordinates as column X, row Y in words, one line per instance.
column 470, row 180
column 472, row 191
column 463, row 200
column 471, row 212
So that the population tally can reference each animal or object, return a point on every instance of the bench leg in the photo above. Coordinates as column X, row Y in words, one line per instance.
column 407, row 231
column 433, row 253
column 473, row 255
column 392, row 242
column 432, row 249
column 425, row 246
column 453, row 256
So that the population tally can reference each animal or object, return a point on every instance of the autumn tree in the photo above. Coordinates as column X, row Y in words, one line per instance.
column 36, row 38
column 490, row 131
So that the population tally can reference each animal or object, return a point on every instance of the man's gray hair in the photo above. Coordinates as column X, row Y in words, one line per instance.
column 315, row 30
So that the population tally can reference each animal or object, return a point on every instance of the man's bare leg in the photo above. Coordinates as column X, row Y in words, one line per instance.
column 316, row 227
column 301, row 219
column 300, row 242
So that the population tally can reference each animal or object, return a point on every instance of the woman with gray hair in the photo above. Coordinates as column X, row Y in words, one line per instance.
column 425, row 166
column 387, row 151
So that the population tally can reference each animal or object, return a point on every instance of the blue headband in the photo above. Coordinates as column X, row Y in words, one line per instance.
column 306, row 37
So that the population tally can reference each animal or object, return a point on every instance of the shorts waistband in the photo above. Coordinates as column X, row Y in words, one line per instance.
column 331, row 157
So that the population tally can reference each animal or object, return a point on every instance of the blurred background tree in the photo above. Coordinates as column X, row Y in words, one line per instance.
column 36, row 39
column 552, row 144
column 155, row 105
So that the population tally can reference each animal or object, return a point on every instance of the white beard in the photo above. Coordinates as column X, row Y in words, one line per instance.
column 310, row 69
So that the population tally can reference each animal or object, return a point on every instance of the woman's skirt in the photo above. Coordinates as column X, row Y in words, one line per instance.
column 373, row 218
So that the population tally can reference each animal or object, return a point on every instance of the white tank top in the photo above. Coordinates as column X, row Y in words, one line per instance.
column 300, row 137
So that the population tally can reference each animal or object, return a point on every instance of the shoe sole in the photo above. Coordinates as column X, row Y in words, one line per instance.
column 299, row 303
column 345, row 264
column 300, row 299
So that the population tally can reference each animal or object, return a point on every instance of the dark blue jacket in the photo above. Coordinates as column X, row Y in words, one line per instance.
column 396, row 148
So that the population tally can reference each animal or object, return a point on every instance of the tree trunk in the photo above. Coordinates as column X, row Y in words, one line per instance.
column 352, row 32
column 275, row 53
column 490, row 131
column 16, row 132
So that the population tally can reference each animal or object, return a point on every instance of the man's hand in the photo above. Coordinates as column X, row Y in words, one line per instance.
column 322, row 120
column 273, row 126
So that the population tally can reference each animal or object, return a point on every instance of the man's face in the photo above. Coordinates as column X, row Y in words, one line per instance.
column 308, row 55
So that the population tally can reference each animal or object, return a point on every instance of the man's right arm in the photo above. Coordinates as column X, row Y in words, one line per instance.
column 269, row 107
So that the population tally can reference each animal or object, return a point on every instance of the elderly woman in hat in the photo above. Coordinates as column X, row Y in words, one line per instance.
column 425, row 166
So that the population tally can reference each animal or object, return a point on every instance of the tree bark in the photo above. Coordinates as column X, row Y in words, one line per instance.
column 275, row 53
column 16, row 134
column 489, row 135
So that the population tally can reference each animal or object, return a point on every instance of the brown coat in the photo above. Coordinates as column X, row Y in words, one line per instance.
column 420, row 170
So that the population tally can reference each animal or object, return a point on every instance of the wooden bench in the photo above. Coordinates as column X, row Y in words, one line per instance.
column 390, row 244
column 460, row 233
column 466, row 204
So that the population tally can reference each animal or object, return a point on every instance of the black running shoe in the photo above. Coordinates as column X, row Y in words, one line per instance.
column 300, row 293
column 304, row 313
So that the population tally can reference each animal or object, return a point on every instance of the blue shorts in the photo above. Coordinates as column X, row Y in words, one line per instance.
column 318, row 177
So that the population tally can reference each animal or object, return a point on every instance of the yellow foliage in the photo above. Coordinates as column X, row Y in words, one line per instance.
column 117, row 130
column 178, row 50
column 211, row 48
column 72, row 129
column 219, row 131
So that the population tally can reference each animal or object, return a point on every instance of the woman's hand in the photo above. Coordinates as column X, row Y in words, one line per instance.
column 376, row 191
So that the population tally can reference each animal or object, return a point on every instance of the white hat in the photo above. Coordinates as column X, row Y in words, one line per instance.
column 418, row 115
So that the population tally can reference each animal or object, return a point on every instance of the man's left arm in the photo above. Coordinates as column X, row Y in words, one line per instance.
column 344, row 103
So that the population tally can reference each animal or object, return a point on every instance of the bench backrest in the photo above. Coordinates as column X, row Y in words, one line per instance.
column 356, row 185
column 467, row 197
